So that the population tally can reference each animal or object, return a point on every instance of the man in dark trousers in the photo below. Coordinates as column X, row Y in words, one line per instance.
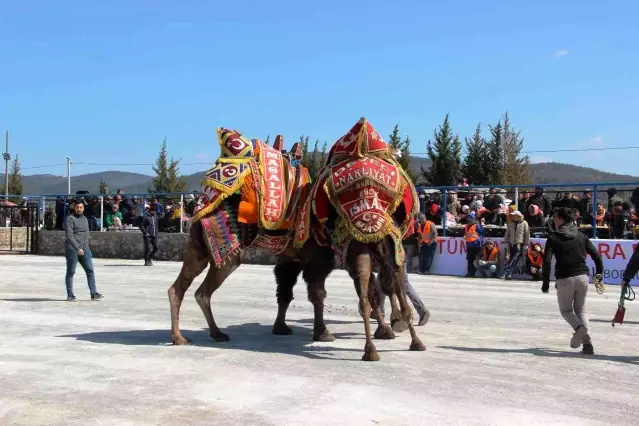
column 570, row 248
column 149, row 228
column 633, row 264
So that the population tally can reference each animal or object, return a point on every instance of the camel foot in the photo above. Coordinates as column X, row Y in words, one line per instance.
column 370, row 356
column 384, row 333
column 281, row 329
column 324, row 336
column 399, row 326
column 417, row 346
column 181, row 341
column 220, row 337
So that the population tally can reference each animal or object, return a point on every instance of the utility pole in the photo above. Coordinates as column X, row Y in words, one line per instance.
column 6, row 157
column 69, row 175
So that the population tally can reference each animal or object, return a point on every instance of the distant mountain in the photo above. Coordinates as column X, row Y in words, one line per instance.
column 543, row 173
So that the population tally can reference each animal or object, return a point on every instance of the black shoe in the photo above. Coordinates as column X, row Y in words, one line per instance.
column 96, row 296
column 587, row 349
column 71, row 299
column 147, row 263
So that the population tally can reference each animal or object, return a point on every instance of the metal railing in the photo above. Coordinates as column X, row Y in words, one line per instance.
column 624, row 190
column 51, row 205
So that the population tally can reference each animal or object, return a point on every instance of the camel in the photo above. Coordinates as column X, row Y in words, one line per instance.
column 367, row 204
column 254, row 196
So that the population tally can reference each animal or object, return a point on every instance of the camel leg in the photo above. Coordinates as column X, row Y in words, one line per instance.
column 315, row 272
column 397, row 322
column 193, row 265
column 361, row 265
column 383, row 331
column 213, row 280
column 407, row 312
column 286, row 272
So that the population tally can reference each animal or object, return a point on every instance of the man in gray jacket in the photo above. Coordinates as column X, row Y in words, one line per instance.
column 76, row 248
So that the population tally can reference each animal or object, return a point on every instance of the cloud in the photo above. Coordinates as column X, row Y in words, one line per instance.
column 536, row 159
column 597, row 141
column 561, row 53
column 201, row 157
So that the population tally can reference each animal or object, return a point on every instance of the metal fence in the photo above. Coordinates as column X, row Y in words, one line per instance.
column 110, row 212
column 584, row 198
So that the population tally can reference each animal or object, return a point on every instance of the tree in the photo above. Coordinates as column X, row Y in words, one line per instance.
column 445, row 155
column 167, row 177
column 324, row 153
column 103, row 188
column 15, row 180
column 516, row 167
column 476, row 166
column 395, row 140
column 496, row 155
column 268, row 140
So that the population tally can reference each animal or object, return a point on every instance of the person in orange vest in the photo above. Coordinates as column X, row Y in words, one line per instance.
column 487, row 260
column 427, row 243
column 535, row 261
column 473, row 235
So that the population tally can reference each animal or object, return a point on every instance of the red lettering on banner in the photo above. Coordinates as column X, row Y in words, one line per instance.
column 618, row 252
column 634, row 247
column 604, row 249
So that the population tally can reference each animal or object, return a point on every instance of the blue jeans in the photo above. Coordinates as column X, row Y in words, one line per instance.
column 86, row 262
column 426, row 256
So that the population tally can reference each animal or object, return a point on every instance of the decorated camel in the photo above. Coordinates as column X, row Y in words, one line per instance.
column 255, row 196
column 367, row 203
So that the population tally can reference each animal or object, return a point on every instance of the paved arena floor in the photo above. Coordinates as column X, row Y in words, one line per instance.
column 498, row 354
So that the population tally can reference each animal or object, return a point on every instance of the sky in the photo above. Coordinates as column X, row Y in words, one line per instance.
column 105, row 82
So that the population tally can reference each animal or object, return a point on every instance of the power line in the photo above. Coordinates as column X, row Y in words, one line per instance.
column 549, row 151
column 208, row 163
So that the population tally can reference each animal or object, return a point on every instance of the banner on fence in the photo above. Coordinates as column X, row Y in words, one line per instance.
column 450, row 258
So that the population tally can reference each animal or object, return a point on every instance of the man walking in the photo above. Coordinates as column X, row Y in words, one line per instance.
column 76, row 248
column 149, row 228
column 570, row 247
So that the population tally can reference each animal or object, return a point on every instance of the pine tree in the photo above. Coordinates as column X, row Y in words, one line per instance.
column 324, row 154
column 496, row 155
column 395, row 140
column 476, row 167
column 15, row 180
column 445, row 155
column 516, row 167
column 167, row 174
column 103, row 188
column 268, row 140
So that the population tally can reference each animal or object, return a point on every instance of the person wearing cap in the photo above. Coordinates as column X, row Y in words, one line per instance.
column 516, row 238
column 570, row 247
column 633, row 264
column 487, row 260
column 473, row 235
column 535, row 261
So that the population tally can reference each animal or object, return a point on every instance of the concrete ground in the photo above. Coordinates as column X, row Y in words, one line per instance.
column 497, row 354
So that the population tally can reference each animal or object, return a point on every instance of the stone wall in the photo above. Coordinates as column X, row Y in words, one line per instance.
column 130, row 245
column 15, row 238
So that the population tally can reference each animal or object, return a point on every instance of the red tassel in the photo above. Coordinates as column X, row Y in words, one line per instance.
column 621, row 311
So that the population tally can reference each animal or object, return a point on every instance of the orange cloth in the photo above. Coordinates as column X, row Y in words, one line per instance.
column 489, row 256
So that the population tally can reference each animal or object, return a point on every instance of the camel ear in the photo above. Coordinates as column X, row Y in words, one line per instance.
column 279, row 143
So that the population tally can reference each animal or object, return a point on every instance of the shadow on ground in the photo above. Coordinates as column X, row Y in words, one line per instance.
column 610, row 321
column 548, row 353
column 251, row 337
column 33, row 299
